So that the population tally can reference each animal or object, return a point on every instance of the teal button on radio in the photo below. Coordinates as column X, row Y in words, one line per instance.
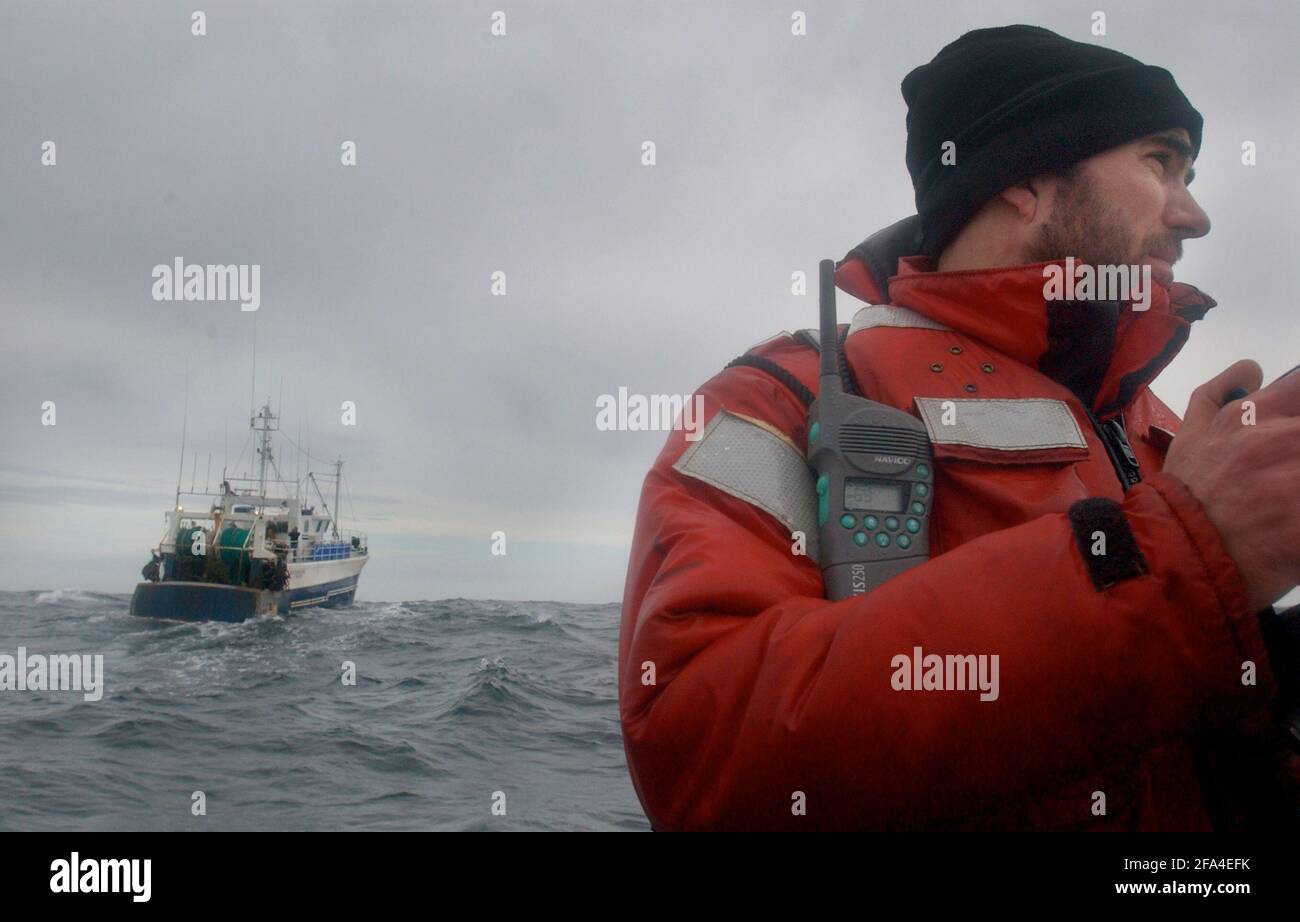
column 848, row 521
column 903, row 541
column 814, row 432
column 890, row 522
column 881, row 538
column 922, row 489
column 823, row 498
column 870, row 522
column 918, row 508
column 913, row 526
column 860, row 538
column 922, row 471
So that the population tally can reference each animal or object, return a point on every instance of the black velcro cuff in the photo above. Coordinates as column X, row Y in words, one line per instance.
column 1123, row 558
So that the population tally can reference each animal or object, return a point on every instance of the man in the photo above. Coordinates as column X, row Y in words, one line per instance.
column 1113, row 582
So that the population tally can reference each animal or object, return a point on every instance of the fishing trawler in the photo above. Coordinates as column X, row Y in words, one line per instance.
column 242, row 552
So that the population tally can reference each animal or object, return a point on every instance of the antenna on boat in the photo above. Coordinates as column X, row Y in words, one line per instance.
column 252, row 387
column 184, row 425
column 338, row 479
column 280, row 406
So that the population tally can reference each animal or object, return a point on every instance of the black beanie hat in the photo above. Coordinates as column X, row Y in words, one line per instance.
column 1018, row 101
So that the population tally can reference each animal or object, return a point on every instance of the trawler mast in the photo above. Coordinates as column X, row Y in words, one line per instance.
column 265, row 451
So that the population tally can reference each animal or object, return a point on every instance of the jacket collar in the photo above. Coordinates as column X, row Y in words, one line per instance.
column 1104, row 351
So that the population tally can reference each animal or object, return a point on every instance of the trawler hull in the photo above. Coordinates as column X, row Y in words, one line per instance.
column 331, row 585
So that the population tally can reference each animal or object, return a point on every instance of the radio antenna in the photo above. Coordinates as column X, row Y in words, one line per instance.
column 184, row 426
column 830, row 333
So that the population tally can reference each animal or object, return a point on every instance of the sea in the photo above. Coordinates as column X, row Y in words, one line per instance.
column 460, row 715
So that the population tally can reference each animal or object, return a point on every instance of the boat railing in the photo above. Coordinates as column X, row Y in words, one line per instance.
column 316, row 548
column 308, row 546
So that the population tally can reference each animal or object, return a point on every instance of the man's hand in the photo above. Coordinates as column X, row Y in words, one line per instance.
column 1247, row 477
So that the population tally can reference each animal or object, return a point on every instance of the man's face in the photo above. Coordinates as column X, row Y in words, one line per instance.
column 1125, row 206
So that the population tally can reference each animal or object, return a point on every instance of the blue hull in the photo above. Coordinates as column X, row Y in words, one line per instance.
column 175, row 600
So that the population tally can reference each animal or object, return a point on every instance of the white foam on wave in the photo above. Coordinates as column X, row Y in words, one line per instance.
column 64, row 597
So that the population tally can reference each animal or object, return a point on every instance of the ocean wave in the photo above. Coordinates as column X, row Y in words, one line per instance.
column 70, row 597
column 256, row 714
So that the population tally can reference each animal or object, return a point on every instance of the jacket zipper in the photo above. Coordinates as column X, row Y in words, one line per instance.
column 1114, row 436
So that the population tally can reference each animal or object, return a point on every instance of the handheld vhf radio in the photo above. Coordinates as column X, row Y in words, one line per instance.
column 875, row 475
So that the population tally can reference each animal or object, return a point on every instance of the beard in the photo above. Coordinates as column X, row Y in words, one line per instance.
column 1084, row 227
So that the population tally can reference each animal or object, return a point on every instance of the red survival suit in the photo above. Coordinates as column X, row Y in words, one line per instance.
column 749, row 701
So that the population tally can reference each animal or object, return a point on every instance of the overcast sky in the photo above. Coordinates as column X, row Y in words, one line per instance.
column 521, row 153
